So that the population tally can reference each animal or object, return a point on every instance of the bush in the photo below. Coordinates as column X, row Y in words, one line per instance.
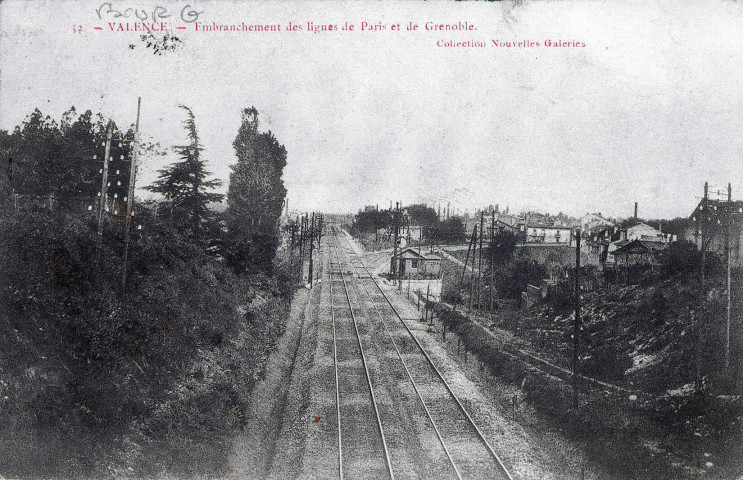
column 518, row 275
column 143, row 380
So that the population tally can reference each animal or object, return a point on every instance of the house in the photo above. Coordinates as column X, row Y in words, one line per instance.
column 724, row 223
column 592, row 222
column 416, row 264
column 501, row 226
column 596, row 243
column 547, row 234
column 643, row 232
column 639, row 252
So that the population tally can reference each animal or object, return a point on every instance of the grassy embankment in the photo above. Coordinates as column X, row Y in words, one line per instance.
column 152, row 381
column 644, row 338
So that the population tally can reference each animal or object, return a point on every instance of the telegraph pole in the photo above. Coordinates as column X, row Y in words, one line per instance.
column 728, row 219
column 479, row 262
column 104, row 188
column 319, row 230
column 312, row 242
column 474, row 247
column 492, row 256
column 130, row 194
column 576, row 324
column 469, row 248
column 302, row 234
column 700, row 318
column 395, row 220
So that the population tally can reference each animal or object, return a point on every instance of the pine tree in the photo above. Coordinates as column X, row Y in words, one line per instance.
column 255, row 197
column 184, row 183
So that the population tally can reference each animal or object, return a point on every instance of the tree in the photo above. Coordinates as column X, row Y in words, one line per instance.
column 503, row 247
column 421, row 214
column 520, row 273
column 39, row 164
column 42, row 157
column 450, row 230
column 255, row 197
column 372, row 220
column 184, row 183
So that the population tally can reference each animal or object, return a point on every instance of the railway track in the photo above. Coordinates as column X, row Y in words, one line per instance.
column 463, row 444
column 362, row 447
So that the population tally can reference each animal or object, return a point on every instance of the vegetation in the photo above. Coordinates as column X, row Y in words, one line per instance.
column 450, row 230
column 96, row 381
column 255, row 197
column 650, row 336
column 45, row 157
column 371, row 220
column 184, row 184
column 421, row 214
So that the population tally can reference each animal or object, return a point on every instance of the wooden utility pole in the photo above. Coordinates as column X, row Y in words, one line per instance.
column 576, row 323
column 302, row 234
column 492, row 256
column 130, row 195
column 473, row 242
column 104, row 188
column 312, row 242
column 728, row 219
column 319, row 230
column 479, row 262
column 701, row 318
column 472, row 280
column 395, row 221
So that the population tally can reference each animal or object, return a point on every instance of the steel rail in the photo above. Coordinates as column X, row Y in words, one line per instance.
column 446, row 384
column 415, row 387
column 335, row 367
column 366, row 371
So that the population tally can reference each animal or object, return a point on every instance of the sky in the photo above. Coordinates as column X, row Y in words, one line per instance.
column 646, row 112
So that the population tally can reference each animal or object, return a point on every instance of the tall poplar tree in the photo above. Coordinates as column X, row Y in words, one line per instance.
column 184, row 183
column 255, row 197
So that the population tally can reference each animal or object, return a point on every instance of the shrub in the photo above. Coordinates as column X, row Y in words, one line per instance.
column 95, row 378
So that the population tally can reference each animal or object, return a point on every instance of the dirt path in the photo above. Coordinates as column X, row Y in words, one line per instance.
column 254, row 449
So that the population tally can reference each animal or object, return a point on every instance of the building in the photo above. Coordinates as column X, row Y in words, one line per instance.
column 416, row 264
column 546, row 234
column 650, row 238
column 592, row 222
column 724, row 223
column 643, row 231
column 639, row 252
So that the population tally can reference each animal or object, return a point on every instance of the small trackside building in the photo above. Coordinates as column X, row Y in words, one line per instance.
column 418, row 265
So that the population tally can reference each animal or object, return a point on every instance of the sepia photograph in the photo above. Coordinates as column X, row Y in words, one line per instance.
column 371, row 239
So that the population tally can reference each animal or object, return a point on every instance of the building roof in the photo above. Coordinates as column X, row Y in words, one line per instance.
column 640, row 247
column 717, row 207
column 418, row 255
column 550, row 227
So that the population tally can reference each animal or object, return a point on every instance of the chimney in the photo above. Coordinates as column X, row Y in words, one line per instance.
column 635, row 210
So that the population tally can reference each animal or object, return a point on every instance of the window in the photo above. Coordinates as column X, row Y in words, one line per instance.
column 414, row 264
